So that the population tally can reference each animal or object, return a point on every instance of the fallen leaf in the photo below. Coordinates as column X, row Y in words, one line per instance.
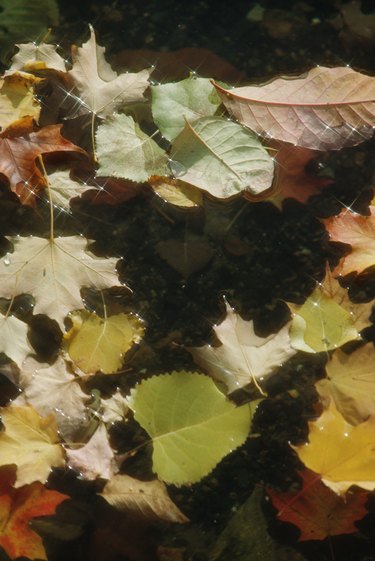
column 52, row 389
column 53, row 271
column 243, row 356
column 17, row 508
column 101, row 89
column 148, row 500
column 222, row 157
column 326, row 109
column 94, row 343
column 13, row 338
column 343, row 454
column 63, row 188
column 31, row 443
column 32, row 57
column 176, row 192
column 183, row 412
column 357, row 231
column 115, row 408
column 94, row 459
column 186, row 257
column 17, row 99
column 317, row 510
column 350, row 383
column 18, row 160
column 328, row 318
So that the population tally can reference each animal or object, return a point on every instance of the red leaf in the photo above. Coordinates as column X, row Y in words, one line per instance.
column 317, row 511
column 18, row 159
column 17, row 507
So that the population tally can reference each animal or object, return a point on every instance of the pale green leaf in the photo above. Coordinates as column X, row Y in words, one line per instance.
column 222, row 157
column 176, row 102
column 123, row 150
column 184, row 413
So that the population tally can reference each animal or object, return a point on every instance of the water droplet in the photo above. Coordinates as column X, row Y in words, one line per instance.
column 7, row 260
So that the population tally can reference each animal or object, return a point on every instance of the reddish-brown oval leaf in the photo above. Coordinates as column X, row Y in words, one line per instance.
column 326, row 109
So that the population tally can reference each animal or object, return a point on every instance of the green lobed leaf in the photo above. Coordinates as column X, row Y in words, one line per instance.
column 192, row 424
column 176, row 102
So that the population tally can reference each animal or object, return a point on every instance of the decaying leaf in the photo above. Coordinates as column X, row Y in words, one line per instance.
column 187, row 256
column 31, row 443
column 17, row 508
column 243, row 356
column 359, row 232
column 317, row 510
column 343, row 454
column 18, row 159
column 94, row 459
column 350, row 383
column 183, row 412
column 328, row 108
column 96, row 343
column 101, row 89
column 148, row 500
column 327, row 319
column 53, row 271
column 222, row 157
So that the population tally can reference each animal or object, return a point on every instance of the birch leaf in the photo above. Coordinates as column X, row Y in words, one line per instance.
column 13, row 339
column 222, row 157
column 350, row 383
column 326, row 109
column 95, row 343
column 327, row 319
column 123, row 150
column 31, row 443
column 101, row 89
column 183, row 412
column 53, row 271
column 176, row 102
column 148, row 500
column 242, row 356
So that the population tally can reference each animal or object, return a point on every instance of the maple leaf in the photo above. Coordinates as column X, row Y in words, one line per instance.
column 94, row 459
column 18, row 159
column 17, row 508
column 32, row 57
column 17, row 99
column 292, row 179
column 327, row 319
column 243, row 357
column 359, row 232
column 101, row 89
column 13, row 338
column 317, row 510
column 343, row 454
column 148, row 500
column 350, row 383
column 328, row 108
column 31, row 442
column 96, row 343
column 53, row 271
column 53, row 389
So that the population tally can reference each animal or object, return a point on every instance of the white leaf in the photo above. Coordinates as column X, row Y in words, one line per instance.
column 30, row 53
column 94, row 459
column 13, row 339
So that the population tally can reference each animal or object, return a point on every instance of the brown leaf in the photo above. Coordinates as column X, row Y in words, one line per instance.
column 326, row 109
column 317, row 511
column 186, row 257
column 18, row 160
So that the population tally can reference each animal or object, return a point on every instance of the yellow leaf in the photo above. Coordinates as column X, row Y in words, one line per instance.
column 31, row 443
column 327, row 319
column 95, row 343
column 341, row 453
column 17, row 99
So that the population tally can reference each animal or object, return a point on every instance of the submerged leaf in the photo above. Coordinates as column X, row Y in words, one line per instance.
column 183, row 412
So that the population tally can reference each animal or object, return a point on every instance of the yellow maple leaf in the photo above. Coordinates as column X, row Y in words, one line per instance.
column 31, row 443
column 17, row 99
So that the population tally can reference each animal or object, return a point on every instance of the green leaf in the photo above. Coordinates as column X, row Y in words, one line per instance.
column 124, row 150
column 222, row 157
column 188, row 99
column 192, row 424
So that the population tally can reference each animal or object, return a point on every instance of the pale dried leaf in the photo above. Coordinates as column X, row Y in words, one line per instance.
column 32, row 56
column 94, row 459
column 13, row 338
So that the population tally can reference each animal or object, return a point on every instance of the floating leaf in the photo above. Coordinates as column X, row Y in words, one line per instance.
column 183, row 412
column 95, row 343
column 328, row 108
column 222, row 157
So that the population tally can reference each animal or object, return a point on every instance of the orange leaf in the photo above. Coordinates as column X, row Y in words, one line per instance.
column 317, row 511
column 18, row 159
column 357, row 231
column 17, row 508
